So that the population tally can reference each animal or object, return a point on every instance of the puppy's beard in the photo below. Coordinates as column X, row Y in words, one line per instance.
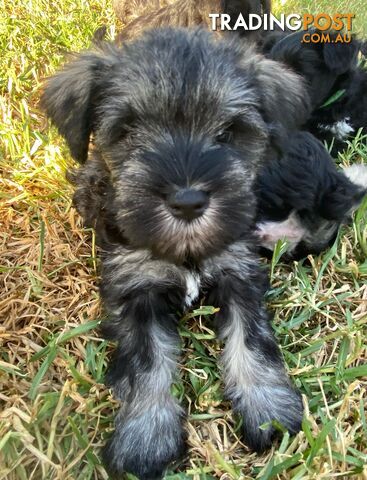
column 181, row 239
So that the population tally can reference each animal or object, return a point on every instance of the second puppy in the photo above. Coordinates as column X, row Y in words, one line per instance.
column 304, row 199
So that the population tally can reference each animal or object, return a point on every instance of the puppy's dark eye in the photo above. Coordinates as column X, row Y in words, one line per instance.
column 225, row 137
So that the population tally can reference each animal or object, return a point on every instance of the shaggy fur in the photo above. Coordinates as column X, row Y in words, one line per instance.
column 304, row 199
column 181, row 122
column 140, row 15
column 329, row 69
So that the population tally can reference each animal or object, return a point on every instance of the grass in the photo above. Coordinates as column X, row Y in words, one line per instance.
column 358, row 7
column 55, row 411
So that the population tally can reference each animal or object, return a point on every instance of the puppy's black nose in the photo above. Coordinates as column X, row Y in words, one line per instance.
column 188, row 204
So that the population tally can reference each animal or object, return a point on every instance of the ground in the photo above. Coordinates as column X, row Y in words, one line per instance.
column 55, row 411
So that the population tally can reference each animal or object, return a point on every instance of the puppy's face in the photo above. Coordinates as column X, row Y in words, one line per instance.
column 182, row 136
column 181, row 123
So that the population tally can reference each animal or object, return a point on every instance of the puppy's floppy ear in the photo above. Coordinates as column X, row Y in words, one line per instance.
column 340, row 56
column 69, row 99
column 283, row 94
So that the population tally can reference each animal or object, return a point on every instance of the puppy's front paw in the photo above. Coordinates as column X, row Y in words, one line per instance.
column 146, row 444
column 265, row 404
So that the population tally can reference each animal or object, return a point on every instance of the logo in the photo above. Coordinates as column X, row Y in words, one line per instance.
column 341, row 23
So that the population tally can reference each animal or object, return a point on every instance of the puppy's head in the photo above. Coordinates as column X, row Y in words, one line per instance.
column 181, row 122
column 321, row 64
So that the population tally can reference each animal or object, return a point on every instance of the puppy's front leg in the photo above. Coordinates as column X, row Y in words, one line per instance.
column 143, row 299
column 255, row 378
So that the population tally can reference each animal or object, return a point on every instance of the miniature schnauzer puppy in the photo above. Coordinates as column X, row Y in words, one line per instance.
column 180, row 121
column 138, row 15
column 331, row 70
column 303, row 198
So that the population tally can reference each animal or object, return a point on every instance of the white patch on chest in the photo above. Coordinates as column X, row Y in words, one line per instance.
column 291, row 230
column 340, row 130
column 192, row 288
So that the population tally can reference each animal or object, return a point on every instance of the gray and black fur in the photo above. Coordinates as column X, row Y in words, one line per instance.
column 180, row 123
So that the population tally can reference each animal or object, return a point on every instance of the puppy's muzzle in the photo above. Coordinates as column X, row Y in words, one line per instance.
column 188, row 204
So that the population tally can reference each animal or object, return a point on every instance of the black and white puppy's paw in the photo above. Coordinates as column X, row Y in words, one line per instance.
column 146, row 442
column 254, row 376
column 265, row 405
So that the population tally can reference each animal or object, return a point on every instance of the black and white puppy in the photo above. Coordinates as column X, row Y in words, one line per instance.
column 304, row 199
column 181, row 121
column 331, row 70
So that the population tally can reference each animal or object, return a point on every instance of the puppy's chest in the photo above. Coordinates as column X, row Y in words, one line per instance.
column 341, row 129
column 193, row 286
